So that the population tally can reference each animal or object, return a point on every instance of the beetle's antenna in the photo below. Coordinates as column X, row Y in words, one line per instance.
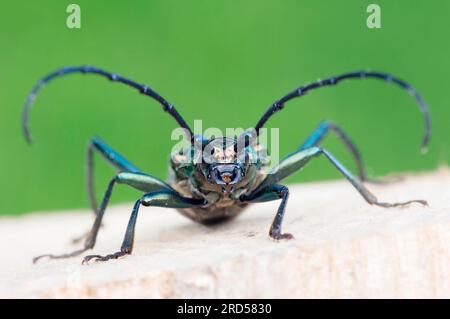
column 143, row 89
column 278, row 105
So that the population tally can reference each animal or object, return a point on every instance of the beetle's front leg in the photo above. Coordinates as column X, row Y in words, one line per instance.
column 166, row 198
column 295, row 161
column 273, row 192
column 269, row 190
column 91, row 236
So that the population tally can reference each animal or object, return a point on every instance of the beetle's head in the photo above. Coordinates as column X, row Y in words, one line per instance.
column 225, row 162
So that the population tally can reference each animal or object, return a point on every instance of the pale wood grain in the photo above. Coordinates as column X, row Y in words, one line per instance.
column 343, row 248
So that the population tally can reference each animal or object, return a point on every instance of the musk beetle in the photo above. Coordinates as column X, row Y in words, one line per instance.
column 223, row 186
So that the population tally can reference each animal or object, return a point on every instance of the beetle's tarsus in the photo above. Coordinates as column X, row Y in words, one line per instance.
column 35, row 259
column 98, row 258
column 62, row 256
column 389, row 205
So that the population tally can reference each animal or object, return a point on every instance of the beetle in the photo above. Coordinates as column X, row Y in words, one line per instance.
column 229, row 178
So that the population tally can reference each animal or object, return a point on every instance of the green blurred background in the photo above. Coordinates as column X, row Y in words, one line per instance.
column 220, row 61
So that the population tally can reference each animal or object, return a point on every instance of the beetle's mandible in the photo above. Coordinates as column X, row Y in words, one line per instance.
column 220, row 188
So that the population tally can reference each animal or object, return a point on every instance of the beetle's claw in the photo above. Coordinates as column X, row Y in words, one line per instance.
column 86, row 259
column 63, row 256
column 284, row 236
column 421, row 201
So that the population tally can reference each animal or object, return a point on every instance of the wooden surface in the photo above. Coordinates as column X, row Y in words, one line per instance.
column 343, row 248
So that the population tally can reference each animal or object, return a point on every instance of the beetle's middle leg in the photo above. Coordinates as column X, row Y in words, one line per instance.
column 139, row 181
column 319, row 134
column 112, row 157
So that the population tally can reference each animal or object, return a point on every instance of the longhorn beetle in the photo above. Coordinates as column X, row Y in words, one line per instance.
column 231, row 178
